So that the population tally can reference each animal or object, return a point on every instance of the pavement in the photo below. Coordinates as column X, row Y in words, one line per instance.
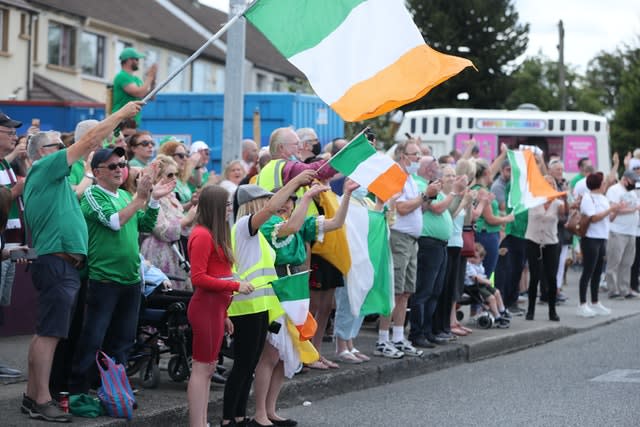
column 167, row 405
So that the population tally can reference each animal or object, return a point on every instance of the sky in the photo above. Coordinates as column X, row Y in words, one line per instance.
column 590, row 26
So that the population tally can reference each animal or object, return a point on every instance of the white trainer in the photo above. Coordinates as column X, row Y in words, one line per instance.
column 600, row 309
column 585, row 311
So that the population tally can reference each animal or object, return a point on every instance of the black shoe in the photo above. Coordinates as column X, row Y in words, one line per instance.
column 436, row 340
column 554, row 317
column 422, row 343
column 516, row 311
column 529, row 316
column 502, row 323
column 284, row 423
column 506, row 314
column 630, row 296
column 254, row 423
column 27, row 404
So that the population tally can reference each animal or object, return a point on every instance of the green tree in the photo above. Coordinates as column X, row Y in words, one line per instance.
column 604, row 76
column 625, row 127
column 485, row 31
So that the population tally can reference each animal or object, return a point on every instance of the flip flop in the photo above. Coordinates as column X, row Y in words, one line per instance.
column 347, row 357
column 329, row 363
column 317, row 365
column 458, row 331
column 360, row 355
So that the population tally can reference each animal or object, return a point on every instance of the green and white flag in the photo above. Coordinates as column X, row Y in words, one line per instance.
column 528, row 187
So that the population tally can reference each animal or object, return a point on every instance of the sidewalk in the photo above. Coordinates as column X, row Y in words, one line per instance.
column 166, row 405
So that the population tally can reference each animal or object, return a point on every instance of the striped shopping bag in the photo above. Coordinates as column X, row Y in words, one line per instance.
column 115, row 392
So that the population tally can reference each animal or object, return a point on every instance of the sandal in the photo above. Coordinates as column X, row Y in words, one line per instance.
column 360, row 355
column 329, row 363
column 347, row 357
column 317, row 365
column 458, row 331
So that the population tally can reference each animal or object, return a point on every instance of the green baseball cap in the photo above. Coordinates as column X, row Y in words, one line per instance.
column 129, row 52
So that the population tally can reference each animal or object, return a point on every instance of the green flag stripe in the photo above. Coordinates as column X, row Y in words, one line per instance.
column 307, row 22
column 515, row 193
column 348, row 159
column 378, row 299
column 292, row 288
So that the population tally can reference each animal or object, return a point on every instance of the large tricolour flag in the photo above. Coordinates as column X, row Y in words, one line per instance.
column 370, row 278
column 293, row 293
column 376, row 171
column 528, row 187
column 362, row 57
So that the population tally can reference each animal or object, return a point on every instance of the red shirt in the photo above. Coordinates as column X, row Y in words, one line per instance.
column 209, row 265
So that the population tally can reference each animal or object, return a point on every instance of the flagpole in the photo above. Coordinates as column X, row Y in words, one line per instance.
column 346, row 145
column 198, row 52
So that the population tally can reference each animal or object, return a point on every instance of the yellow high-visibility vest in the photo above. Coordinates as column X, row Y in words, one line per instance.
column 254, row 264
column 270, row 177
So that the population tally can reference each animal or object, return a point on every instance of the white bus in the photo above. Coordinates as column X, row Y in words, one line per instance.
column 570, row 135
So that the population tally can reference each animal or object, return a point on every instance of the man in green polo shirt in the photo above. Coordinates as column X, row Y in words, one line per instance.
column 128, row 87
column 114, row 219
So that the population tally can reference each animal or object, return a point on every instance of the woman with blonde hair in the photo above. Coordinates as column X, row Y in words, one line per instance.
column 177, row 151
column 232, row 176
column 172, row 224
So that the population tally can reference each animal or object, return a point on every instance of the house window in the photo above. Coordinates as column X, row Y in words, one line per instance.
column 120, row 45
column 180, row 83
column 4, row 30
column 261, row 81
column 203, row 80
column 24, row 25
column 92, row 54
column 151, row 56
column 62, row 45
column 278, row 85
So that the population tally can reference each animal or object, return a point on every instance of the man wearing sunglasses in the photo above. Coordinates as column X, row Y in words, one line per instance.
column 128, row 87
column 114, row 219
column 59, row 235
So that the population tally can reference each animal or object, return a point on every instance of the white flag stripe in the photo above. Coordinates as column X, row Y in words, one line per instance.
column 296, row 310
column 369, row 170
column 360, row 276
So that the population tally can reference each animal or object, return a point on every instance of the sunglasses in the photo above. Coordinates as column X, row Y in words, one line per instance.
column 146, row 143
column 59, row 145
column 114, row 166
column 8, row 132
column 179, row 155
column 171, row 175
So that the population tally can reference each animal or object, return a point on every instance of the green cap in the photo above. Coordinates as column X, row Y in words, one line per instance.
column 128, row 53
column 169, row 138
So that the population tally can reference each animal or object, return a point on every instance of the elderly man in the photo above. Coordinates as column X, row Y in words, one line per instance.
column 128, row 87
column 249, row 154
column 59, row 235
column 114, row 220
column 310, row 147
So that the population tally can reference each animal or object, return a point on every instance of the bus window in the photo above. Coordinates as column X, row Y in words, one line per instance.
column 574, row 125
column 413, row 125
column 446, row 125
column 562, row 124
column 550, row 124
column 470, row 123
column 435, row 125
column 597, row 126
column 585, row 125
column 424, row 125
column 458, row 122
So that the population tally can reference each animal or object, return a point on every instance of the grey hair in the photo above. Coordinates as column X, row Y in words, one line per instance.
column 38, row 140
column 277, row 139
column 83, row 127
column 306, row 134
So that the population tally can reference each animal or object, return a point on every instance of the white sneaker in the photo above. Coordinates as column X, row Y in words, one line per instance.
column 600, row 309
column 585, row 311
column 387, row 349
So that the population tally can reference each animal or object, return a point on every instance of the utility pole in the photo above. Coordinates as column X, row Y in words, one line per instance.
column 561, row 83
column 234, row 87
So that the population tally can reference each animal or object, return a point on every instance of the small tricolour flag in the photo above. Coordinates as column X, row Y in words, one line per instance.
column 528, row 187
column 376, row 171
column 293, row 293
column 370, row 278
column 362, row 57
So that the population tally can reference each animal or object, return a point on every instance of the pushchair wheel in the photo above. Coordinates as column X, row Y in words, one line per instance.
column 178, row 368
column 485, row 321
column 459, row 315
column 150, row 374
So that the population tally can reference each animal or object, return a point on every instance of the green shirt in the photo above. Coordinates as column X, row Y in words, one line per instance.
column 575, row 179
column 136, row 163
column 120, row 97
column 183, row 191
column 481, row 224
column 77, row 172
column 52, row 211
column 114, row 253
column 290, row 249
column 204, row 180
column 437, row 226
column 518, row 227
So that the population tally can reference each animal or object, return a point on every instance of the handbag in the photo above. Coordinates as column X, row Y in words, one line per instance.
column 115, row 393
column 468, row 241
column 578, row 223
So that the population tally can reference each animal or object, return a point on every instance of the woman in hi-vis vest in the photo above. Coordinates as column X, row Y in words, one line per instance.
column 252, row 314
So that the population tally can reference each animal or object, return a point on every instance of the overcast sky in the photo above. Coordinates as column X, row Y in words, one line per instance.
column 590, row 26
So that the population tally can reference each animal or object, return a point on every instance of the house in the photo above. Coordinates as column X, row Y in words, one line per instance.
column 67, row 50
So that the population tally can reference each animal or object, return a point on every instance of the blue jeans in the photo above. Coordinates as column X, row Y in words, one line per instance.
column 490, row 241
column 110, row 325
column 346, row 326
column 509, row 269
column 432, row 261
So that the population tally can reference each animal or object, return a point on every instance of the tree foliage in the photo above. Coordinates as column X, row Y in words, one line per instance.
column 485, row 31
column 625, row 127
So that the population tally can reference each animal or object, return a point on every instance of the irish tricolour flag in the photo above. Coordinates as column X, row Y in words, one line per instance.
column 528, row 187
column 376, row 171
column 362, row 57
column 293, row 293
column 370, row 278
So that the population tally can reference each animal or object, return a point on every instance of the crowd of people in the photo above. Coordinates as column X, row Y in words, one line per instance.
column 99, row 204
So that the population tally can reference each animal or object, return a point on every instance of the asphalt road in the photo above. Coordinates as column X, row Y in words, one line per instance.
column 549, row 385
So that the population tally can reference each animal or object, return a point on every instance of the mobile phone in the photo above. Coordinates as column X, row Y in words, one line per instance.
column 35, row 122
column 29, row 254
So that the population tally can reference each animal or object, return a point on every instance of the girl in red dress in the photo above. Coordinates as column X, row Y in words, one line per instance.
column 211, row 259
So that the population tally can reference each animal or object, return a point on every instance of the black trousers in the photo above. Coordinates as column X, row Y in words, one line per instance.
column 250, row 332
column 635, row 268
column 442, row 316
column 543, row 268
column 593, row 253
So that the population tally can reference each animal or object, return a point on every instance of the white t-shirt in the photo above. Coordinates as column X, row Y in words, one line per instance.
column 624, row 223
column 410, row 223
column 593, row 204
column 580, row 189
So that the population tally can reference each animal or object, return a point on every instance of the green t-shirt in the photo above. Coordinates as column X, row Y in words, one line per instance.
column 434, row 225
column 575, row 180
column 290, row 249
column 114, row 254
column 481, row 224
column 77, row 172
column 120, row 97
column 136, row 163
column 205, row 179
column 183, row 191
column 518, row 227
column 52, row 211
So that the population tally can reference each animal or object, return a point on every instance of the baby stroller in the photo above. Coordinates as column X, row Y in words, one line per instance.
column 472, row 296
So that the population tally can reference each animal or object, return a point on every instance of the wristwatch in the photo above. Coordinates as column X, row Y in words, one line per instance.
column 89, row 175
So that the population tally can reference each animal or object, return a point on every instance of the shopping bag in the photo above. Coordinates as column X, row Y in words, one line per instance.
column 115, row 393
column 468, row 241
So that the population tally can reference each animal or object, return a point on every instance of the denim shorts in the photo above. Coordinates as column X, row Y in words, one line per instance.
column 57, row 283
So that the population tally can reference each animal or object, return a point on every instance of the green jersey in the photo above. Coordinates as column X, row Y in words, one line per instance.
column 77, row 172
column 291, row 249
column 481, row 224
column 437, row 226
column 120, row 97
column 52, row 212
column 114, row 253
